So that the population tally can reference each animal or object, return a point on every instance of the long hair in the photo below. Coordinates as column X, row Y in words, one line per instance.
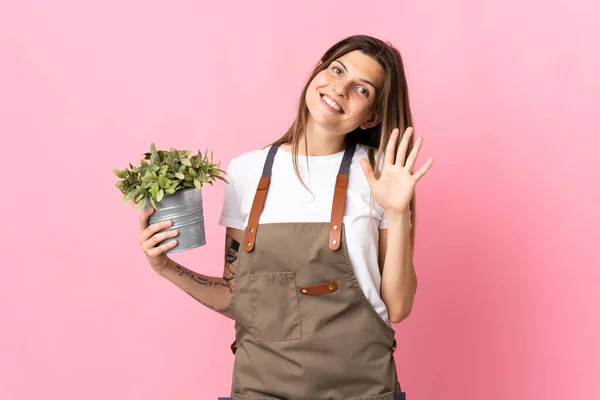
column 391, row 104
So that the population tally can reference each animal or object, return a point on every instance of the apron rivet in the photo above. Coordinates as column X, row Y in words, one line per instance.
column 334, row 242
column 304, row 291
column 249, row 243
column 251, row 229
column 335, row 227
column 331, row 287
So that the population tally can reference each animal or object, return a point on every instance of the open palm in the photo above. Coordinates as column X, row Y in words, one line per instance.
column 395, row 187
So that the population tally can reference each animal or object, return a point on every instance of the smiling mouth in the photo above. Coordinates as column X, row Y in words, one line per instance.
column 332, row 104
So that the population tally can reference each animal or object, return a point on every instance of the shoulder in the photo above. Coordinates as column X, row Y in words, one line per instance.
column 358, row 187
column 246, row 165
column 244, row 170
column 249, row 158
column 362, row 152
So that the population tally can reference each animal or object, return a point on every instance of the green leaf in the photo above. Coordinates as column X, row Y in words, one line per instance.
column 139, row 197
column 160, row 195
column 179, row 175
column 192, row 172
column 154, row 189
column 185, row 162
column 197, row 184
column 120, row 174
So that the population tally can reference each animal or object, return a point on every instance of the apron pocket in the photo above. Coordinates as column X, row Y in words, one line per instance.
column 275, row 309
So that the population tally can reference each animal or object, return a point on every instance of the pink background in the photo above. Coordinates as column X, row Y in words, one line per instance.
column 505, row 94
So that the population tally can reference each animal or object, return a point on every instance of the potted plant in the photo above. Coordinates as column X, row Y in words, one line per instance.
column 172, row 184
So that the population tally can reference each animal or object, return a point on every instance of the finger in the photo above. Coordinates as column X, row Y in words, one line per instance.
column 154, row 228
column 151, row 243
column 412, row 157
column 368, row 171
column 157, row 251
column 390, row 150
column 421, row 172
column 144, row 215
column 403, row 146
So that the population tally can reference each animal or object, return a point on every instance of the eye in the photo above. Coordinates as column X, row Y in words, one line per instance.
column 364, row 91
column 336, row 69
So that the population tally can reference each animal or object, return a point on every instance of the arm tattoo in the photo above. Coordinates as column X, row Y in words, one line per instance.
column 203, row 281
column 232, row 247
column 231, row 254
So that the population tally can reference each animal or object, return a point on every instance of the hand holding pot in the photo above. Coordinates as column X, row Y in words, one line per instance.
column 150, row 237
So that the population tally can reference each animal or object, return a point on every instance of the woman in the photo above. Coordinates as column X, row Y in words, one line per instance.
column 309, row 277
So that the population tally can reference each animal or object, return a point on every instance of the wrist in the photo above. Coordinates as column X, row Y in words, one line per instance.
column 164, row 266
column 398, row 216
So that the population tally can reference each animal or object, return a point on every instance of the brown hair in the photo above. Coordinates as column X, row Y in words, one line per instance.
column 391, row 104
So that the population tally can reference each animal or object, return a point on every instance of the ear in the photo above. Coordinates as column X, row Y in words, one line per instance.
column 318, row 65
column 371, row 122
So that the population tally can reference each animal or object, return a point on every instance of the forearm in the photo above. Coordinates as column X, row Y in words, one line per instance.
column 399, row 280
column 213, row 292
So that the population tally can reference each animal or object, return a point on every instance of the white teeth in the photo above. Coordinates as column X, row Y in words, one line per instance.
column 332, row 103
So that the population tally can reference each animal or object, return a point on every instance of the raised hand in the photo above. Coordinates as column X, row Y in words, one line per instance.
column 395, row 187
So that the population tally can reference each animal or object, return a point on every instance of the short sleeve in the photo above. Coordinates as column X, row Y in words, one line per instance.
column 231, row 213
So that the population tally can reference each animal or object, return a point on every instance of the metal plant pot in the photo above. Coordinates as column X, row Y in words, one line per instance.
column 184, row 208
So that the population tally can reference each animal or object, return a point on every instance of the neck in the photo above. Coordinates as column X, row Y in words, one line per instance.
column 320, row 141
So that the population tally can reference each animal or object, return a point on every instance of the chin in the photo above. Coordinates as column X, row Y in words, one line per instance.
column 320, row 116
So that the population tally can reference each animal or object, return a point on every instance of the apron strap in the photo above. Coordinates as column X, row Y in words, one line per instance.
column 339, row 197
column 337, row 209
column 259, row 199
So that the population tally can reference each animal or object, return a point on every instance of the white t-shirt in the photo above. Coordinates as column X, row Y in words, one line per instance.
column 289, row 201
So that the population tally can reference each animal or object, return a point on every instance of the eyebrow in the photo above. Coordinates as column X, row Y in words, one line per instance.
column 360, row 79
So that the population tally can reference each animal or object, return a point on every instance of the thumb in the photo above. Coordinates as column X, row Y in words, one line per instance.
column 368, row 171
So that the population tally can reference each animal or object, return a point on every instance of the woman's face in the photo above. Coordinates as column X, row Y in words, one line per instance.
column 342, row 97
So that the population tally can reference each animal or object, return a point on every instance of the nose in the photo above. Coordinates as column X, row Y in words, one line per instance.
column 341, row 89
